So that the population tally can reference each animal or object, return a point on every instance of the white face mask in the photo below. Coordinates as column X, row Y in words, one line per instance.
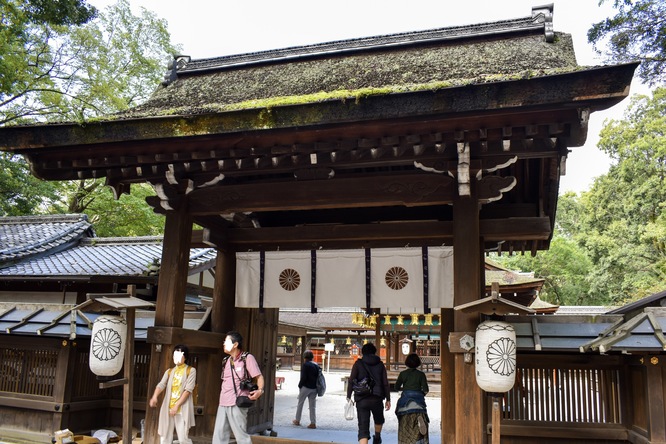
column 228, row 345
column 178, row 357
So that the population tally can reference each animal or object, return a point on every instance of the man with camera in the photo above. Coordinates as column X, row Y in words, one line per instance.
column 239, row 391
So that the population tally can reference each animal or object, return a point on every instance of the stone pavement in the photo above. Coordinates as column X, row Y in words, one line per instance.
column 331, row 424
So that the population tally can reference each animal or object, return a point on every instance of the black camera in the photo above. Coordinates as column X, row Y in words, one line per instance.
column 248, row 385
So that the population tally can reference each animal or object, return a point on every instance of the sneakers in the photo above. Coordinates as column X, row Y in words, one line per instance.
column 423, row 427
column 312, row 426
column 296, row 422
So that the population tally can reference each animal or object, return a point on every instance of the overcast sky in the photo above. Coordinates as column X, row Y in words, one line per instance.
column 212, row 28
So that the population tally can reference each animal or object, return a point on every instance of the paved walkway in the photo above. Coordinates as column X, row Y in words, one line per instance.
column 331, row 424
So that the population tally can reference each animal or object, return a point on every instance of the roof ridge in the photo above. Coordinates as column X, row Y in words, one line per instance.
column 541, row 18
column 69, row 234
column 43, row 218
column 122, row 240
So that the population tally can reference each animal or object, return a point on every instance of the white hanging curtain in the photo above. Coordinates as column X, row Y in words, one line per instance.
column 396, row 278
column 286, row 279
column 340, row 278
column 440, row 277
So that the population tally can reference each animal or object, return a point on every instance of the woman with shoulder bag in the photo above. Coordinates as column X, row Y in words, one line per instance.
column 369, row 383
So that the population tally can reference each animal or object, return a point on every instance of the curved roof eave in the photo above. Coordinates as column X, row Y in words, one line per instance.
column 595, row 88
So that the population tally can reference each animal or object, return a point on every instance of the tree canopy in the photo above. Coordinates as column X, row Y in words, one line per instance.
column 636, row 33
column 74, row 65
column 62, row 60
column 610, row 242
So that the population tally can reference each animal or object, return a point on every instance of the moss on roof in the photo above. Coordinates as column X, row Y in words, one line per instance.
column 353, row 76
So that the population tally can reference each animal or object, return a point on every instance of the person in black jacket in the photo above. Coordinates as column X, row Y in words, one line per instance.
column 370, row 366
column 308, row 389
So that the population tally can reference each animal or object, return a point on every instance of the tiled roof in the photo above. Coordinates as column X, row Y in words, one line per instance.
column 559, row 333
column 322, row 320
column 52, row 320
column 642, row 332
column 105, row 257
column 511, row 278
column 27, row 237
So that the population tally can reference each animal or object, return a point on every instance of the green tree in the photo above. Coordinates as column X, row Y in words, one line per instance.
column 624, row 221
column 50, row 71
column 32, row 63
column 20, row 192
column 127, row 216
column 73, row 67
column 636, row 33
column 564, row 268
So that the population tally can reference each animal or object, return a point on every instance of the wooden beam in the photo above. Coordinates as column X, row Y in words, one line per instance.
column 242, row 239
column 195, row 339
column 395, row 190
column 114, row 383
column 547, row 432
column 348, row 235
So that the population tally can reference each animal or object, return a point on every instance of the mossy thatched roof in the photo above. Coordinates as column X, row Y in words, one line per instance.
column 426, row 60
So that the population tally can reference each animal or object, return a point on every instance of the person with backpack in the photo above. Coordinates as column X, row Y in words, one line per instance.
column 307, row 386
column 177, row 406
column 369, row 383
column 242, row 383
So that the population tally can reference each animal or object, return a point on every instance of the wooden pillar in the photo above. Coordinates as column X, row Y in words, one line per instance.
column 448, row 389
column 655, row 403
column 170, row 305
column 62, row 391
column 468, row 286
column 224, row 292
column 128, row 369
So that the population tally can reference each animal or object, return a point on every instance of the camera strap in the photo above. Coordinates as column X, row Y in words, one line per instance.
column 233, row 370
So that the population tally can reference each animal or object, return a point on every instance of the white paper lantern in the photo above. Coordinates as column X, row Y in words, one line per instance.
column 107, row 345
column 495, row 356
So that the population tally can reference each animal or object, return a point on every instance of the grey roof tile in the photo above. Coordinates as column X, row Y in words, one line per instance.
column 35, row 236
column 104, row 257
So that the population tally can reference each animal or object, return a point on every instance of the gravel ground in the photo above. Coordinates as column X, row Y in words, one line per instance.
column 331, row 424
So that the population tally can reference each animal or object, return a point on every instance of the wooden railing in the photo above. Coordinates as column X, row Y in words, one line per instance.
column 565, row 395
column 566, row 398
column 29, row 372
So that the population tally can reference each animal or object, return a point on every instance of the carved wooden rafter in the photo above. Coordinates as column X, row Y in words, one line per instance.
column 204, row 162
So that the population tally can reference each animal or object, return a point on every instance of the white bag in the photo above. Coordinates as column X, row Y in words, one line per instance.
column 349, row 410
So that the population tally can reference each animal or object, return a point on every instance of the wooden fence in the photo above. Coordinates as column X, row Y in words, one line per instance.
column 566, row 397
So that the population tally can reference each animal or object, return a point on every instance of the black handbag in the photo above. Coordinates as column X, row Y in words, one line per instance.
column 244, row 402
column 365, row 385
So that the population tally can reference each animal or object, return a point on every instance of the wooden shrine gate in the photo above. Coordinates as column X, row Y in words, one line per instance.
column 455, row 136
